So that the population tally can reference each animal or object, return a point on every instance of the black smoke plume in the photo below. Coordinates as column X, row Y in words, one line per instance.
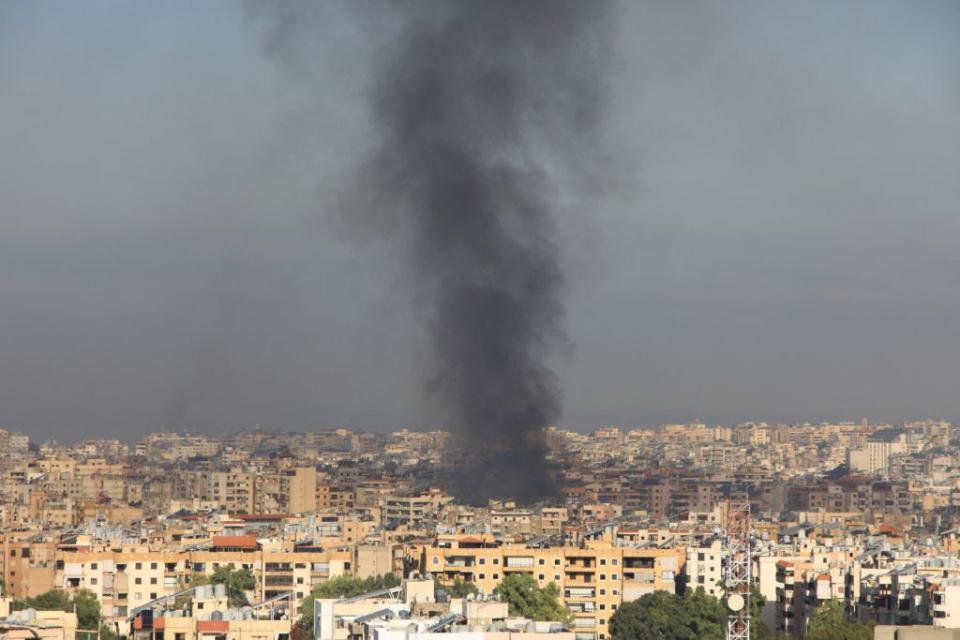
column 483, row 113
column 476, row 106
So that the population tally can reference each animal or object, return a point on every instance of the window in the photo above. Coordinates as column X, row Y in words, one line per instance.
column 614, row 607
column 542, row 561
column 153, row 581
column 540, row 577
column 556, row 577
column 153, row 596
column 496, row 561
column 93, row 565
column 93, row 581
column 603, row 561
column 483, row 561
column 556, row 562
column 603, row 576
column 603, row 592
column 481, row 576
column 614, row 576
column 138, row 581
column 496, row 576
column 614, row 562
column 603, row 606
column 299, row 581
column 436, row 559
column 137, row 596
column 139, row 565
column 616, row 592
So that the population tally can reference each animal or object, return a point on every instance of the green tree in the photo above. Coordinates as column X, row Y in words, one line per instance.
column 525, row 598
column 237, row 581
column 664, row 616
column 456, row 589
column 829, row 622
column 53, row 600
column 83, row 601
column 341, row 587
column 88, row 609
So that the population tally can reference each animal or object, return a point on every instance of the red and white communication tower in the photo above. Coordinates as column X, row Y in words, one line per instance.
column 737, row 574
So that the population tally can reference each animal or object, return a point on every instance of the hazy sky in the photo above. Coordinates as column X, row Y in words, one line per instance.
column 779, row 240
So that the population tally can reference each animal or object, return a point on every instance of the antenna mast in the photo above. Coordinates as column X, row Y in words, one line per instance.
column 737, row 574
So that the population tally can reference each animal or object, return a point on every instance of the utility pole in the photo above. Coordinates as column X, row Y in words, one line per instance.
column 737, row 571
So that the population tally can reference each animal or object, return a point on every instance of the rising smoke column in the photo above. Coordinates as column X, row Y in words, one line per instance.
column 476, row 105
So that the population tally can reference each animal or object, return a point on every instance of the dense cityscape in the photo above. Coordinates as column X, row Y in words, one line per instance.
column 853, row 515
column 292, row 291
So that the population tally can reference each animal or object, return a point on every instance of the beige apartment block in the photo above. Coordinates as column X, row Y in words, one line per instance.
column 594, row 580
column 44, row 625
column 300, row 487
column 127, row 577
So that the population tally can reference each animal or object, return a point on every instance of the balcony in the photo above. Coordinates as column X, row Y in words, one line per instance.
column 642, row 577
column 459, row 561
column 639, row 563
column 518, row 562
column 581, row 564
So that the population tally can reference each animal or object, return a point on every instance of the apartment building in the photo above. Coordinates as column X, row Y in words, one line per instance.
column 28, row 564
column 126, row 576
column 417, row 509
column 594, row 579
column 335, row 496
column 299, row 487
column 233, row 490
column 36, row 625
column 704, row 567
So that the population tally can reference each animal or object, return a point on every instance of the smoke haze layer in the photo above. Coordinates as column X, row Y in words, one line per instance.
column 473, row 104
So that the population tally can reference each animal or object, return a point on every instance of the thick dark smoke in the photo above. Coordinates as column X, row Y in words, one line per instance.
column 477, row 105
column 478, row 108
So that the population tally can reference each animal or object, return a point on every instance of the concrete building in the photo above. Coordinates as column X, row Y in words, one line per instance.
column 704, row 568
column 31, row 624
column 594, row 579
column 204, row 614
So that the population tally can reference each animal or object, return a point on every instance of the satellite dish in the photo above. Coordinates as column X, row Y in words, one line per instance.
column 735, row 602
